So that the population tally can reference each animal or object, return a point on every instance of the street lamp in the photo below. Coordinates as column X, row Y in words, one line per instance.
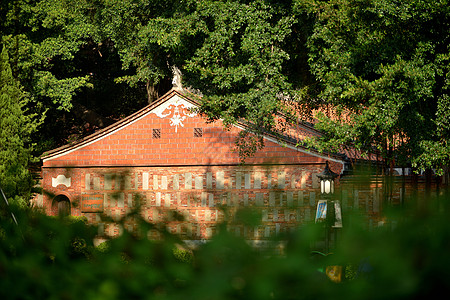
column 329, row 214
column 327, row 181
column 334, row 216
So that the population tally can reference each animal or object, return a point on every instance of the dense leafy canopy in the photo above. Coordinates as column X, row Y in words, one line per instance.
column 380, row 67
column 232, row 52
column 43, row 38
column 384, row 66
column 60, row 58
column 16, row 128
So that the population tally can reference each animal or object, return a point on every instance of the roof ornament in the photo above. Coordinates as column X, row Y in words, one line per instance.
column 176, row 80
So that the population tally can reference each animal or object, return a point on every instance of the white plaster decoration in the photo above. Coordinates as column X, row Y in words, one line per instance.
column 187, row 180
column 247, row 181
column 290, row 198
column 198, row 182
column 96, row 183
column 176, row 182
column 176, row 109
column 209, row 180
column 281, row 179
column 257, row 180
column 267, row 231
column 158, row 199
column 127, row 182
column 155, row 182
column 300, row 198
column 271, row 198
column 211, row 200
column 176, row 80
column 108, row 181
column 145, row 181
column 220, row 176
column 39, row 200
column 105, row 200
column 87, row 181
column 167, row 200
column 259, row 199
column 61, row 179
column 238, row 180
column 164, row 182
column 204, row 196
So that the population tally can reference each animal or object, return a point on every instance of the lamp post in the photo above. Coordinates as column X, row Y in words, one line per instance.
column 328, row 210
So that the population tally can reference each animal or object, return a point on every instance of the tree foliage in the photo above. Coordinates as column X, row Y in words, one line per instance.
column 16, row 128
column 54, row 258
column 388, row 91
column 66, row 65
column 383, row 65
column 43, row 38
column 234, row 53
column 230, row 51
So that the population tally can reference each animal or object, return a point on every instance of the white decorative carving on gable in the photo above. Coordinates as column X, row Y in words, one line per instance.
column 61, row 179
column 177, row 110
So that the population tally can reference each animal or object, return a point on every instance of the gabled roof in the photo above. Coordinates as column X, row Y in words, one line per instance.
column 114, row 127
column 288, row 138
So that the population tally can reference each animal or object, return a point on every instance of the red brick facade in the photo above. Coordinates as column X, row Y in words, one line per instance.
column 168, row 159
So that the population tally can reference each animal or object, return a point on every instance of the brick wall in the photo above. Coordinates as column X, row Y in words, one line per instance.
column 169, row 160
column 284, row 195
column 137, row 144
column 192, row 200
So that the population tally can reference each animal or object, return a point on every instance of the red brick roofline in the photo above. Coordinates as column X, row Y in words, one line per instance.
column 63, row 150
column 113, row 127
column 289, row 144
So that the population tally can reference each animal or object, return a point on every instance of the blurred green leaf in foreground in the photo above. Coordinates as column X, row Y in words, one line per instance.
column 54, row 258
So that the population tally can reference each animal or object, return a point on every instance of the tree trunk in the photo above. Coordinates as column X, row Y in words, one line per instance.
column 152, row 92
column 89, row 116
column 446, row 177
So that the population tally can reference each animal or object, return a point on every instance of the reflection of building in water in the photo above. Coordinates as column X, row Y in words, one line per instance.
column 170, row 160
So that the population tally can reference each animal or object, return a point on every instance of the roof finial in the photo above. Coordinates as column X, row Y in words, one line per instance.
column 176, row 80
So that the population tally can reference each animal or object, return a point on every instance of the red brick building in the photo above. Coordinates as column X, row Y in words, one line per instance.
column 168, row 159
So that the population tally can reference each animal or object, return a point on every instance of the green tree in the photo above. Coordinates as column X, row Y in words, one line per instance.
column 67, row 67
column 383, row 66
column 42, row 38
column 247, row 58
column 14, row 134
column 239, row 64
column 126, row 24
column 231, row 51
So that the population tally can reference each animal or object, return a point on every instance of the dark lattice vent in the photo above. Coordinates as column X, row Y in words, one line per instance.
column 156, row 133
column 198, row 132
